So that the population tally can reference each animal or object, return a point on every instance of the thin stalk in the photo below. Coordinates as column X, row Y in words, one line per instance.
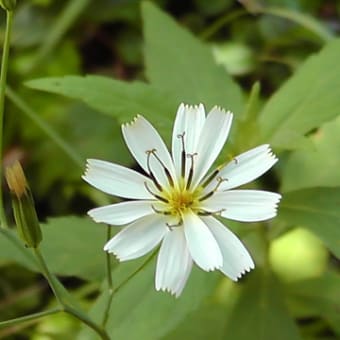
column 45, row 127
column 16, row 321
column 66, row 307
column 63, row 23
column 48, row 275
column 109, row 281
column 148, row 260
column 82, row 317
column 302, row 19
column 222, row 21
column 3, row 79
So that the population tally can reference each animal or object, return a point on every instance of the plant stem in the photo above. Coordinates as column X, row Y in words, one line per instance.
column 48, row 275
column 135, row 272
column 109, row 281
column 30, row 317
column 3, row 78
column 306, row 21
column 220, row 22
column 63, row 23
column 49, row 131
column 66, row 307
column 82, row 317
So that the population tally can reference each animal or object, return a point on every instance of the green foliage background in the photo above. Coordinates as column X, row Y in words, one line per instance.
column 78, row 69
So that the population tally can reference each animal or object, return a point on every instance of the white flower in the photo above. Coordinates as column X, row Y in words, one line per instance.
column 175, row 204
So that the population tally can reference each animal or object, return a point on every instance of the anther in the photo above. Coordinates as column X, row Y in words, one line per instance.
column 210, row 213
column 191, row 171
column 167, row 172
column 219, row 180
column 211, row 177
column 179, row 224
column 155, row 195
column 157, row 211
column 181, row 136
column 152, row 176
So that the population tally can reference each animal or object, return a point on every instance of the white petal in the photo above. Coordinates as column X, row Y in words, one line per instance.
column 138, row 238
column 244, row 205
column 116, row 180
column 245, row 168
column 201, row 243
column 236, row 258
column 189, row 123
column 213, row 136
column 174, row 263
column 141, row 137
column 122, row 213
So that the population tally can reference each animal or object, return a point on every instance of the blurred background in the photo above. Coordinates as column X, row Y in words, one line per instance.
column 262, row 41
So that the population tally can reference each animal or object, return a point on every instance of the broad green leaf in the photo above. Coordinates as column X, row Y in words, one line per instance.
column 318, row 166
column 320, row 296
column 178, row 62
column 116, row 98
column 209, row 319
column 260, row 312
column 12, row 249
column 316, row 209
column 210, row 314
column 71, row 246
column 309, row 98
column 74, row 246
column 153, row 314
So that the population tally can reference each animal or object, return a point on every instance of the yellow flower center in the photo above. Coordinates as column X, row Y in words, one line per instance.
column 180, row 200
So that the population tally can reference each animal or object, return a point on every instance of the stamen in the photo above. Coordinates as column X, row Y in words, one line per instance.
column 166, row 170
column 191, row 171
column 209, row 194
column 155, row 195
column 211, row 177
column 209, row 213
column 152, row 176
column 181, row 136
column 157, row 211
column 170, row 226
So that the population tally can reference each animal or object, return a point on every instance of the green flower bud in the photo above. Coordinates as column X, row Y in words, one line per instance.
column 8, row 5
column 24, row 211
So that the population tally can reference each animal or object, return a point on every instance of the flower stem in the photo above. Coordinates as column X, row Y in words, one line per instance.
column 3, row 78
column 109, row 281
column 50, row 279
column 30, row 317
column 83, row 317
column 147, row 261
column 65, row 306
column 46, row 128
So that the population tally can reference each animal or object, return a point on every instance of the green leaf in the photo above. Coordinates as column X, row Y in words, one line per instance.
column 309, row 98
column 178, row 62
column 71, row 246
column 320, row 296
column 153, row 314
column 316, row 209
column 12, row 249
column 74, row 246
column 318, row 166
column 209, row 319
column 118, row 99
column 260, row 312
